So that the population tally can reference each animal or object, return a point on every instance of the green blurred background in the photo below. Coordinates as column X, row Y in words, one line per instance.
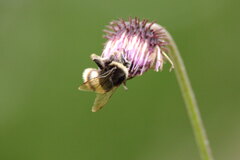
column 45, row 46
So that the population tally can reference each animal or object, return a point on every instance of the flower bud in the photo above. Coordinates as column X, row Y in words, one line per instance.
column 142, row 43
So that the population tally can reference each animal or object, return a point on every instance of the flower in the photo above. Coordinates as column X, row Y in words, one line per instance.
column 142, row 43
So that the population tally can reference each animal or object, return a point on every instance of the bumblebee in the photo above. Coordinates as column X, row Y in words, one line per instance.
column 105, row 80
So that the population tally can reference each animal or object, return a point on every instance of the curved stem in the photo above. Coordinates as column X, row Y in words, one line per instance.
column 190, row 101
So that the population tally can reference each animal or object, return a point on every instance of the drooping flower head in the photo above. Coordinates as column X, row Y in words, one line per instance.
column 142, row 43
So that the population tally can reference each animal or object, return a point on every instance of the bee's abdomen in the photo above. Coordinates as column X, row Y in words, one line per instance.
column 91, row 82
column 89, row 73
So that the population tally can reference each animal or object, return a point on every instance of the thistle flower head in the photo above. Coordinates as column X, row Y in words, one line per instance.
column 143, row 44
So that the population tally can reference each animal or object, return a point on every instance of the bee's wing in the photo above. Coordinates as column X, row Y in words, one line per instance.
column 92, row 85
column 102, row 99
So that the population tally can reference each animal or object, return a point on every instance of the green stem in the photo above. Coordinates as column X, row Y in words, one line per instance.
column 190, row 101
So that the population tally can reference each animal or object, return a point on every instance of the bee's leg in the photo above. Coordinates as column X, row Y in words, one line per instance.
column 94, row 56
column 99, row 63
column 107, row 61
column 124, row 60
column 98, row 60
column 122, row 57
column 125, row 85
column 112, row 57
